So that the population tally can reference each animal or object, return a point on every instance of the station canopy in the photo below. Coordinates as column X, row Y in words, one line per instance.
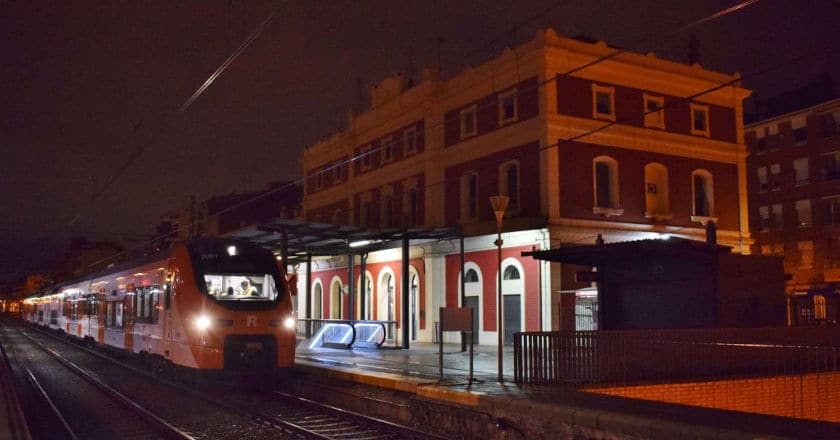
column 324, row 239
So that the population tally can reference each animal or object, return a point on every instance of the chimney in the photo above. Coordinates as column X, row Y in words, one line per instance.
column 711, row 233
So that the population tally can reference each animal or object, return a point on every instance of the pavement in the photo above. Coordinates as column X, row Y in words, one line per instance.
column 578, row 414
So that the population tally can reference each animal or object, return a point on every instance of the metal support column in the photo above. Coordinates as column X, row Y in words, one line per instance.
column 463, row 295
column 309, row 295
column 284, row 250
column 362, row 284
column 405, row 291
column 351, row 287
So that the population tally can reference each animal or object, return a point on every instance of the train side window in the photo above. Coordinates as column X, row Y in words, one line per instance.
column 167, row 296
column 155, row 302
column 109, row 315
column 118, row 315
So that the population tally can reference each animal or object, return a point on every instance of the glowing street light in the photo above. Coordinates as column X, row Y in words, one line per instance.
column 499, row 204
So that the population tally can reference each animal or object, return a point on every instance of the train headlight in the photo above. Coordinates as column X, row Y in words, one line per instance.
column 289, row 322
column 202, row 322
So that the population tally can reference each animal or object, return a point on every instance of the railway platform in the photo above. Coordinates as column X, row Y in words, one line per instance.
column 540, row 411
column 12, row 421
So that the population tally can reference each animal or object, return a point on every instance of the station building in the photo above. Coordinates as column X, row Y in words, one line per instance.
column 794, row 187
column 631, row 147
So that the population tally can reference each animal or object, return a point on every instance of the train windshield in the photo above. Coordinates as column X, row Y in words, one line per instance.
column 241, row 287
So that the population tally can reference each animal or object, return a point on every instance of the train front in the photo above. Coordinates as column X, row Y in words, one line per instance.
column 243, row 319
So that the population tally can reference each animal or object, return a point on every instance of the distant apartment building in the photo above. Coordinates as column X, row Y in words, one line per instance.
column 794, row 192
column 631, row 148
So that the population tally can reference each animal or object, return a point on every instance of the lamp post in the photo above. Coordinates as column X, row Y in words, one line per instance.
column 499, row 204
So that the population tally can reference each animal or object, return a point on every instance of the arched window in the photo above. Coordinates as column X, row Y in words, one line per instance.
column 605, row 181
column 471, row 276
column 511, row 273
column 509, row 184
column 703, row 199
column 657, row 205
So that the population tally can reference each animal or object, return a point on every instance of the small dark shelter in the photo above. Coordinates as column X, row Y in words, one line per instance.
column 679, row 283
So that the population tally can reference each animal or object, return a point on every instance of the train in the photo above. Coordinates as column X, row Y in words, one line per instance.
column 208, row 304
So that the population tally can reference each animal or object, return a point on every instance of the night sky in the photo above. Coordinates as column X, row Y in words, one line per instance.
column 93, row 144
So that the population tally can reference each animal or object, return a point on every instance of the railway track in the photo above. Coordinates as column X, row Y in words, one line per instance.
column 298, row 417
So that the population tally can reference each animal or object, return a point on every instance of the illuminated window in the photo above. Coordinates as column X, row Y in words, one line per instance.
column 507, row 107
column 764, row 215
column 779, row 249
column 654, row 111
column 819, row 307
column 468, row 122
column 766, row 249
column 410, row 140
column 603, row 102
column 803, row 213
column 509, row 185
column 700, row 120
column 387, row 148
column 703, row 194
column 469, row 197
column 605, row 182
column 656, row 191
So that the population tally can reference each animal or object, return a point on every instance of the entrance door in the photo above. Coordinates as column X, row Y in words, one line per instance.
column 472, row 302
column 513, row 317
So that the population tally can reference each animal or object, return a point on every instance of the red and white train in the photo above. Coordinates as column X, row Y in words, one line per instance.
column 211, row 304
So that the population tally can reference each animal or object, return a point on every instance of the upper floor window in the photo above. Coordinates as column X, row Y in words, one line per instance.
column 656, row 192
column 803, row 213
column 366, row 154
column 777, row 219
column 410, row 140
column 338, row 172
column 509, row 184
column 775, row 177
column 703, row 194
column 318, row 181
column 764, row 215
column 654, row 111
column 468, row 122
column 762, row 179
column 387, row 148
column 819, row 307
column 800, row 130
column 507, row 107
column 806, row 253
column 511, row 273
column 364, row 214
column 469, row 197
column 700, row 119
column 605, row 182
column 800, row 168
column 603, row 102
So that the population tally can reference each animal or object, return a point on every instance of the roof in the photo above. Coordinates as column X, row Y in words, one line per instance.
column 593, row 255
column 324, row 239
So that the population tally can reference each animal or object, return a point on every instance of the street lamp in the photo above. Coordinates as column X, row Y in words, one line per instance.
column 499, row 204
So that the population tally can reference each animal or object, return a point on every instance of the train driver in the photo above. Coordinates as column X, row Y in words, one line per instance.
column 248, row 289
column 210, row 288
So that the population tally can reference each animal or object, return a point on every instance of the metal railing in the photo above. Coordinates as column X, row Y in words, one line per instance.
column 626, row 357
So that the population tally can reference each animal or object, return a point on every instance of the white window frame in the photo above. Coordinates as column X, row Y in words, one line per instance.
column 386, row 144
column 654, row 119
column 465, row 113
column 502, row 96
column 705, row 109
column 709, row 181
column 410, row 147
column 614, row 209
column 596, row 89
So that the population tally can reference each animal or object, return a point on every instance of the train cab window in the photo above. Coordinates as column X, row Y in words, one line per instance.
column 241, row 287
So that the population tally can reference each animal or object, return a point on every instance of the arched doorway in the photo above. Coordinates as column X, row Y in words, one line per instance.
column 335, row 299
column 472, row 297
column 317, row 301
column 414, row 304
column 367, row 296
column 387, row 298
column 513, row 289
